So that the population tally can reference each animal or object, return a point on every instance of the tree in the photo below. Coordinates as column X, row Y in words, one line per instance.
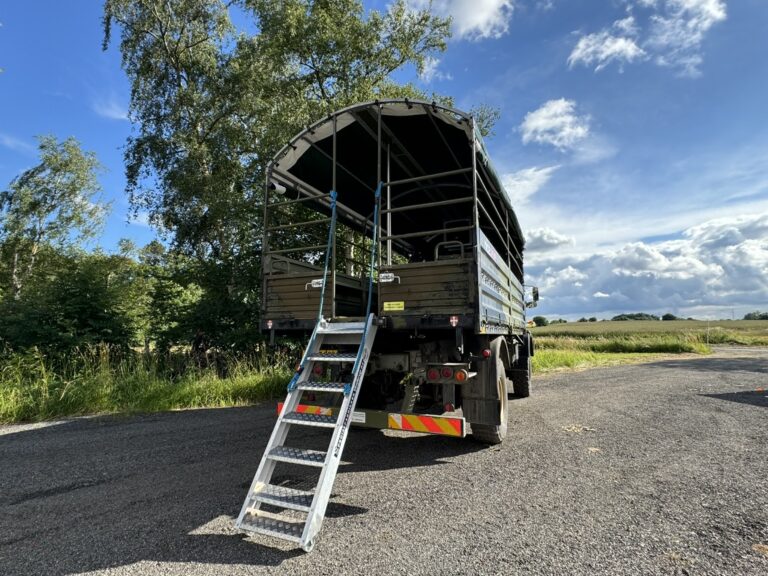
column 757, row 315
column 593, row 319
column 51, row 203
column 669, row 316
column 540, row 321
column 635, row 316
column 78, row 300
column 212, row 105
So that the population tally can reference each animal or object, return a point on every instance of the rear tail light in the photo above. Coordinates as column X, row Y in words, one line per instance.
column 487, row 353
column 433, row 374
column 447, row 372
column 318, row 369
column 461, row 375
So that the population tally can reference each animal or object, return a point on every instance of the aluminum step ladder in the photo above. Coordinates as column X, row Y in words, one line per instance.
column 304, row 527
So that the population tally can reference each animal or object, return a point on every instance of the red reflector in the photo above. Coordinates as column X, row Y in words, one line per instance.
column 433, row 374
column 461, row 375
column 447, row 372
column 449, row 407
column 487, row 353
column 318, row 369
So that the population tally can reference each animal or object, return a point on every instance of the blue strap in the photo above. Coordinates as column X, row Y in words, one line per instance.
column 331, row 231
column 348, row 387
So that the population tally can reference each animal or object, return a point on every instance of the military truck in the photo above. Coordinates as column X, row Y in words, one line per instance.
column 391, row 246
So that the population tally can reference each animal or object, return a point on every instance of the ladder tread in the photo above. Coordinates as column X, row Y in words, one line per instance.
column 313, row 386
column 306, row 419
column 285, row 497
column 298, row 456
column 332, row 357
column 343, row 328
column 272, row 526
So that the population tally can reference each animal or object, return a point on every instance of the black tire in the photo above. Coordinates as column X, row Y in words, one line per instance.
column 495, row 433
column 521, row 378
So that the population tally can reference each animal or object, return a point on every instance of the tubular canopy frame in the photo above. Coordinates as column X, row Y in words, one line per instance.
column 420, row 156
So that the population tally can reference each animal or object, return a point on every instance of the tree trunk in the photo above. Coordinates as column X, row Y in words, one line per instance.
column 15, row 278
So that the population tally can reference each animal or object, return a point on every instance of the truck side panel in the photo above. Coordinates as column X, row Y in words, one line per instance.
column 501, row 305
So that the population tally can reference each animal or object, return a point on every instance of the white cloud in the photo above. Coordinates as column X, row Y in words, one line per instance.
column 555, row 123
column 545, row 239
column 608, row 46
column 677, row 32
column 672, row 37
column 15, row 144
column 473, row 19
column 110, row 108
column 718, row 265
column 430, row 71
column 523, row 184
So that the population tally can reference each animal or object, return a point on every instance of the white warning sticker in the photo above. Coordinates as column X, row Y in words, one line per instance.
column 358, row 417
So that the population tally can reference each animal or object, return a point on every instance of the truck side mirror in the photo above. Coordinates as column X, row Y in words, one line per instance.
column 534, row 298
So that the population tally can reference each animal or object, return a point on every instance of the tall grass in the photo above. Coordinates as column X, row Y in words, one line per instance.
column 95, row 380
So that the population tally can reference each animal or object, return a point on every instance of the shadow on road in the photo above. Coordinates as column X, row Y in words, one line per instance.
column 746, row 397
column 106, row 492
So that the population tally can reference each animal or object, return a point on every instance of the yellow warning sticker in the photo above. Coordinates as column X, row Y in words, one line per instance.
column 394, row 306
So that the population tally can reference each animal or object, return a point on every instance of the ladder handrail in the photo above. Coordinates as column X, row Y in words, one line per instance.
column 331, row 231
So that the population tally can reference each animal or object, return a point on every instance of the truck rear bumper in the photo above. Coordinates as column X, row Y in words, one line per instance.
column 382, row 420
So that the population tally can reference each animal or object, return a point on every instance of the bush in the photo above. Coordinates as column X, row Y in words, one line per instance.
column 540, row 321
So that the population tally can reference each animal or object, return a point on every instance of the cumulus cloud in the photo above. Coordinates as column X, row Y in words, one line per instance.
column 523, row 184
column 545, row 239
column 555, row 123
column 672, row 36
column 431, row 71
column 717, row 265
column 615, row 45
column 473, row 19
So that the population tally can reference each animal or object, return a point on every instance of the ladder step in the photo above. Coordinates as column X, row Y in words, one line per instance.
column 285, row 497
column 328, row 357
column 343, row 328
column 297, row 456
column 311, row 386
column 271, row 526
column 306, row 419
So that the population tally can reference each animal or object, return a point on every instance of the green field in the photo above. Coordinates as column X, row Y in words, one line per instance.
column 729, row 331
column 577, row 345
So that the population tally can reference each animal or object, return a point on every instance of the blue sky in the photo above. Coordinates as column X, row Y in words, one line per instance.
column 633, row 136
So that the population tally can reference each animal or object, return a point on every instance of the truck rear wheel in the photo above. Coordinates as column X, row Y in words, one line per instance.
column 495, row 433
column 521, row 377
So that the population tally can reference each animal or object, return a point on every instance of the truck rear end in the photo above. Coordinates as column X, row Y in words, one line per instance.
column 416, row 191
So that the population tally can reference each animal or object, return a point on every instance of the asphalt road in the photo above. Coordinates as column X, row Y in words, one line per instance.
column 659, row 468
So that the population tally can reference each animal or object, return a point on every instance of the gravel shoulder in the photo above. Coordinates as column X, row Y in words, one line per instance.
column 658, row 468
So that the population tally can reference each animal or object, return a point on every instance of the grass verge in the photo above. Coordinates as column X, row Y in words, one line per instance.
column 550, row 360
column 33, row 387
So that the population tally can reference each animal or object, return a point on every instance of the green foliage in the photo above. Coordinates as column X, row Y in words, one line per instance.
column 52, row 203
column 668, row 316
column 212, row 104
column 540, row 321
column 33, row 386
column 757, row 315
column 77, row 299
column 636, row 316
column 593, row 319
